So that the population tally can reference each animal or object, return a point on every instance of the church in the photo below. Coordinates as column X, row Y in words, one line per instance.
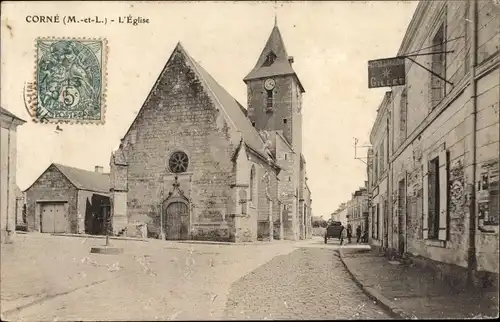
column 197, row 165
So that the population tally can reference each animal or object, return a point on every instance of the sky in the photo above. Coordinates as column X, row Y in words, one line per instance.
column 331, row 43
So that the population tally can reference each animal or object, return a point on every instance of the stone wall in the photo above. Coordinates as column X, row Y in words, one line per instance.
column 487, row 168
column 179, row 115
column 287, row 187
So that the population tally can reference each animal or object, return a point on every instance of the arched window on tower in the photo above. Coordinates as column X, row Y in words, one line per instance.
column 252, row 184
column 269, row 101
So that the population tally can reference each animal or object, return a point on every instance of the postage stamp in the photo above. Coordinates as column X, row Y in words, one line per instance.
column 70, row 80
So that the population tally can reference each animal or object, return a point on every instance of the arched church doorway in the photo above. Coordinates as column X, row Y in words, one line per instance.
column 176, row 221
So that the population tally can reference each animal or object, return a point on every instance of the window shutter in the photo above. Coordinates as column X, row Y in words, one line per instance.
column 425, row 210
column 443, row 195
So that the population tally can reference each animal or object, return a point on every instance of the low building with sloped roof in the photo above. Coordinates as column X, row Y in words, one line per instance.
column 65, row 199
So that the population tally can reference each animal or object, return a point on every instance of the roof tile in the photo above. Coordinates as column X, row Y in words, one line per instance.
column 84, row 179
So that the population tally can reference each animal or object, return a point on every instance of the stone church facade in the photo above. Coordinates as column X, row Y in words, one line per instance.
column 195, row 164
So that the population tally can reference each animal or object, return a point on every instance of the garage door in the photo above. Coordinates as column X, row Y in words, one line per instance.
column 54, row 219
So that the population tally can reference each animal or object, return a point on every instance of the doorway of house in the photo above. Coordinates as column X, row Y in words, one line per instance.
column 53, row 217
column 386, row 225
column 401, row 216
column 176, row 221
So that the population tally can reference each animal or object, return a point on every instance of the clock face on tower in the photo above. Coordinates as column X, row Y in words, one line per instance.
column 269, row 84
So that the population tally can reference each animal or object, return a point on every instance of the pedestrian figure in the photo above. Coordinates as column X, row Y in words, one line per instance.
column 358, row 234
column 342, row 235
column 365, row 236
column 349, row 233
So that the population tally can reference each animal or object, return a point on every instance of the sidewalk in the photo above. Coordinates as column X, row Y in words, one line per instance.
column 411, row 293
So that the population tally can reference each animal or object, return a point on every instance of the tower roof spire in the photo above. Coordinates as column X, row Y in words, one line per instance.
column 275, row 13
column 274, row 59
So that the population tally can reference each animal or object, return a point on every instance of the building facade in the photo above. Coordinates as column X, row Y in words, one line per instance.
column 442, row 142
column 8, row 164
column 195, row 164
column 340, row 214
column 378, row 171
column 68, row 200
column 357, row 211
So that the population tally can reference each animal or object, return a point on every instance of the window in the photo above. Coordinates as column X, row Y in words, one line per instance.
column 269, row 101
column 377, row 223
column 403, row 106
column 284, row 121
column 178, row 162
column 374, row 210
column 466, row 36
column 252, row 183
column 270, row 58
column 488, row 21
column 299, row 100
column 489, row 182
column 285, row 156
column 385, row 216
column 492, row 215
column 434, row 198
column 438, row 88
column 375, row 168
column 381, row 155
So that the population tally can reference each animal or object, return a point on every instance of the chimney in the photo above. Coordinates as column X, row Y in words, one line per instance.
column 98, row 169
column 290, row 59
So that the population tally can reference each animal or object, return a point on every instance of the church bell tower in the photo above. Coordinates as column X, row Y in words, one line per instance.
column 275, row 92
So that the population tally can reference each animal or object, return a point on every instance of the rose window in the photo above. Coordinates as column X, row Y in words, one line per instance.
column 178, row 162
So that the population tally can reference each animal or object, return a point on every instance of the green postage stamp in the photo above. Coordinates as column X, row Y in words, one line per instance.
column 70, row 80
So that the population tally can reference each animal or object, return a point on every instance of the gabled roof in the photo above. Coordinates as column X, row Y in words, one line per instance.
column 234, row 110
column 9, row 114
column 243, row 110
column 281, row 65
column 82, row 179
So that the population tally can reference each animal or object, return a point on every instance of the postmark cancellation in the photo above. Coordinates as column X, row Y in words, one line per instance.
column 70, row 81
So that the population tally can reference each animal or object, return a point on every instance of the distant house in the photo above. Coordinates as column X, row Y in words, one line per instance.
column 340, row 214
column 68, row 200
column 317, row 218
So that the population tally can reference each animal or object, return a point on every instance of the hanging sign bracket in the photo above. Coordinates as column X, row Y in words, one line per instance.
column 391, row 72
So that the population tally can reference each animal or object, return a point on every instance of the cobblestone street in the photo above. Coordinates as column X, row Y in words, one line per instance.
column 150, row 281
column 177, row 281
column 310, row 283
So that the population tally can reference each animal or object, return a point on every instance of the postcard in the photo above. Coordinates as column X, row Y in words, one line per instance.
column 249, row 160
